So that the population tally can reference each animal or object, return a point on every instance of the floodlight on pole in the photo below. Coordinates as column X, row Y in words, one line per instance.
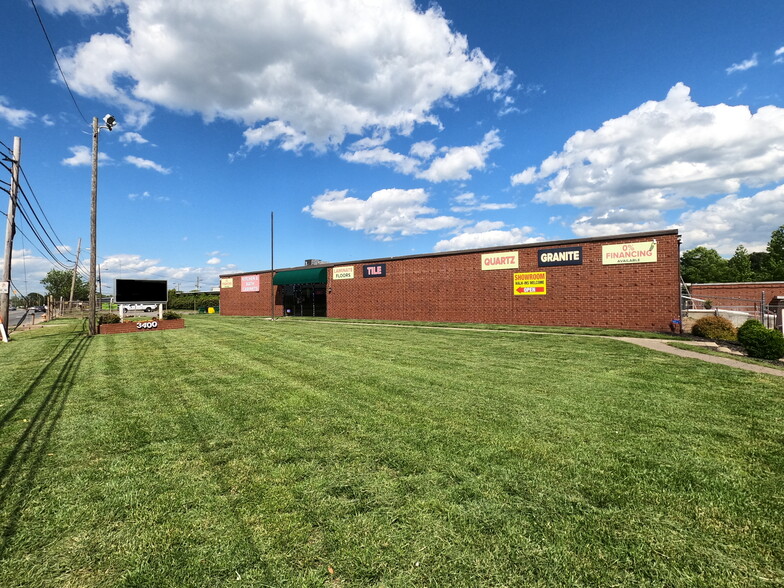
column 110, row 123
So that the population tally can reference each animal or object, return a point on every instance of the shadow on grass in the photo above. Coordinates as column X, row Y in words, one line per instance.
column 20, row 467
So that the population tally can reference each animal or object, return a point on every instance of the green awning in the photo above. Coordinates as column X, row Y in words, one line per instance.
column 316, row 275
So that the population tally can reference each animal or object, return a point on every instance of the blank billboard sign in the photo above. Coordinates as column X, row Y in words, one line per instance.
column 140, row 291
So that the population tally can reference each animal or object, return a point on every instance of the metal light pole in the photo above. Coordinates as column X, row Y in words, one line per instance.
column 110, row 122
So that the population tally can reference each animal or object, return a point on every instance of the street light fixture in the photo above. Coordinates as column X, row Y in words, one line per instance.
column 110, row 122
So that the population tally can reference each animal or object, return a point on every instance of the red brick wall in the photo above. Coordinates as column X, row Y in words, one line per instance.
column 454, row 288
column 737, row 294
column 130, row 327
column 233, row 301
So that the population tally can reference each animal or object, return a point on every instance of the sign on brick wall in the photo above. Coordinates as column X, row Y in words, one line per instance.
column 560, row 256
column 530, row 283
column 344, row 272
column 227, row 282
column 377, row 270
column 644, row 252
column 501, row 260
column 250, row 283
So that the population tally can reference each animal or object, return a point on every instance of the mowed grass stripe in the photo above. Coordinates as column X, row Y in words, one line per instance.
column 273, row 453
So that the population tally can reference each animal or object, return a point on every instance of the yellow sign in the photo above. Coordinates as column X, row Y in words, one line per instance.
column 345, row 272
column 643, row 252
column 227, row 282
column 500, row 260
column 530, row 284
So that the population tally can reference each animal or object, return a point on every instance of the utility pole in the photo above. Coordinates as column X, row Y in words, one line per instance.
column 10, row 229
column 272, row 265
column 73, row 278
column 100, row 288
column 110, row 122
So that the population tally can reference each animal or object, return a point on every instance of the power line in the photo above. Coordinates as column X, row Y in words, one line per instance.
column 39, row 224
column 54, row 54
column 41, row 208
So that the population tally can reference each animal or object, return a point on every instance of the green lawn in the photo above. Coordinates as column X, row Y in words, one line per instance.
column 240, row 452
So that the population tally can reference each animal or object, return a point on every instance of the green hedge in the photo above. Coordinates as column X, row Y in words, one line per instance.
column 192, row 301
column 761, row 342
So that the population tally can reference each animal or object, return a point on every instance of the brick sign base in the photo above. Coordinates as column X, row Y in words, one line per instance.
column 112, row 328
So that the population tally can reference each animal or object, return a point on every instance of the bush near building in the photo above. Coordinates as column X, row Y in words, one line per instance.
column 715, row 327
column 761, row 342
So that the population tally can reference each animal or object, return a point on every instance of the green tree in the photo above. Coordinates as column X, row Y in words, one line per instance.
column 775, row 261
column 739, row 266
column 58, row 285
column 702, row 265
column 35, row 299
column 759, row 265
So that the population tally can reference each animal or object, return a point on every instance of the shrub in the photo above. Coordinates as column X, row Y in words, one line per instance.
column 108, row 318
column 171, row 315
column 745, row 330
column 761, row 342
column 714, row 327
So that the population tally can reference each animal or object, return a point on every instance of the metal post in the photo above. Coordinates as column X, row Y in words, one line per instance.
column 272, row 265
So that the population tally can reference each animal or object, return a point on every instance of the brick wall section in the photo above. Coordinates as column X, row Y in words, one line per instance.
column 235, row 302
column 130, row 327
column 742, row 295
column 453, row 288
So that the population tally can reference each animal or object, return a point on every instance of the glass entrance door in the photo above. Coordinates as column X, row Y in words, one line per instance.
column 305, row 300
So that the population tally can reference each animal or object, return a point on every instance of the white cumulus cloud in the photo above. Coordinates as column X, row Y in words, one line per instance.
column 146, row 164
column 82, row 155
column 426, row 162
column 743, row 65
column 657, row 157
column 132, row 138
column 487, row 234
column 735, row 220
column 315, row 73
column 16, row 117
column 470, row 202
column 385, row 214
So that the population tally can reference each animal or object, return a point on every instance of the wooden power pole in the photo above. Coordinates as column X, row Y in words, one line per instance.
column 10, row 229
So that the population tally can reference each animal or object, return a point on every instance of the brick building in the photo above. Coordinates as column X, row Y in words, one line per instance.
column 748, row 296
column 626, row 281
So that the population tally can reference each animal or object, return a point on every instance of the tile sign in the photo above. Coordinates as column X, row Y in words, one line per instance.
column 377, row 270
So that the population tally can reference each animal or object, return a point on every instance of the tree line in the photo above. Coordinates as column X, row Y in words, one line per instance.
column 703, row 265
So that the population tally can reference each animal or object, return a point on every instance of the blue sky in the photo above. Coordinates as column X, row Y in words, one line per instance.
column 389, row 127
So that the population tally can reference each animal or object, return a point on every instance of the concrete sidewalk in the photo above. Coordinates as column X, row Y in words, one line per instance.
column 661, row 345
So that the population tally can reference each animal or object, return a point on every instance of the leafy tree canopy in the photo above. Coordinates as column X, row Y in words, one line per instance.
column 702, row 265
column 58, row 285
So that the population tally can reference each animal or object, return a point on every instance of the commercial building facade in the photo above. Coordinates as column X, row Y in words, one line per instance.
column 627, row 281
